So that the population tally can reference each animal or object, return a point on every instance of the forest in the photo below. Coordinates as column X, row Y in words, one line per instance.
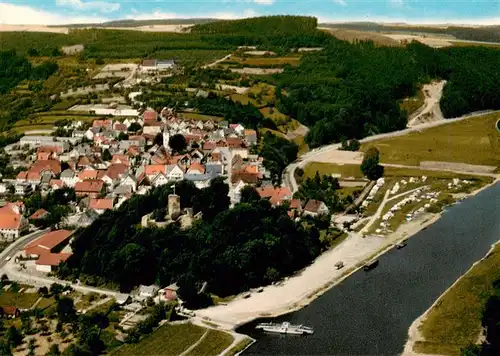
column 355, row 90
column 230, row 249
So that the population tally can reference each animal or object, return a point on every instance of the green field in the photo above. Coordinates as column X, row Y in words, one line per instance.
column 213, row 344
column 353, row 170
column 167, row 340
column 455, row 321
column 245, row 100
column 266, row 61
column 473, row 141
column 410, row 105
column 19, row 300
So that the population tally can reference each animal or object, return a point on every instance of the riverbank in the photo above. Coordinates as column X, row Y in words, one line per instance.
column 415, row 334
column 301, row 289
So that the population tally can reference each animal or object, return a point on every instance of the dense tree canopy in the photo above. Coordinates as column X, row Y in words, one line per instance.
column 370, row 165
column 231, row 249
column 278, row 152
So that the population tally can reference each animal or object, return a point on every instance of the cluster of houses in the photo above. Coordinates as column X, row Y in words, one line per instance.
column 112, row 160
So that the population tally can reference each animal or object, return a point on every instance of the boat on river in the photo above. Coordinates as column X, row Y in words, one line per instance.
column 285, row 328
column 401, row 244
column 370, row 265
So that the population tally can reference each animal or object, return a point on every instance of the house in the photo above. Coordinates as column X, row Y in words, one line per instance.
column 81, row 219
column 121, row 159
column 38, row 141
column 295, row 208
column 196, row 168
column 174, row 172
column 12, row 222
column 165, row 64
column 148, row 65
column 150, row 116
column 69, row 178
column 170, row 293
column 47, row 249
column 39, row 214
column 129, row 180
column 8, row 311
column 148, row 291
column 122, row 298
column 103, row 124
column 276, row 195
column 22, row 189
column 55, row 184
column 101, row 205
column 250, row 137
column 159, row 180
column 315, row 208
column 91, row 187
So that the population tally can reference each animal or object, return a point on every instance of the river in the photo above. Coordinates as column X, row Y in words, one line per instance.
column 370, row 312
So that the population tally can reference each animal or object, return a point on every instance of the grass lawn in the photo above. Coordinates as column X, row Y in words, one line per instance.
column 200, row 117
column 19, row 300
column 455, row 321
column 239, row 347
column 274, row 114
column 213, row 344
column 23, row 129
column 414, row 103
column 346, row 170
column 353, row 170
column 46, row 302
column 245, row 100
column 303, row 147
column 266, row 91
column 473, row 141
column 267, row 61
column 167, row 340
column 475, row 44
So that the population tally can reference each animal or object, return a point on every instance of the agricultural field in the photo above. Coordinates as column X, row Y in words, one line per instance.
column 19, row 300
column 356, row 35
column 213, row 344
column 263, row 61
column 455, row 321
column 166, row 340
column 472, row 141
column 200, row 117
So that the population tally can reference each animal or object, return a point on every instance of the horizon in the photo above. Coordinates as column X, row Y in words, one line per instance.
column 411, row 12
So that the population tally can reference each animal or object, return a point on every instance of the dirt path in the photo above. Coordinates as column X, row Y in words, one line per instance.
column 299, row 131
column 430, row 111
column 213, row 64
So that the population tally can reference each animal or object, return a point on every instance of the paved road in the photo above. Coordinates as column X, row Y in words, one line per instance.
column 302, row 161
column 14, row 248
column 216, row 62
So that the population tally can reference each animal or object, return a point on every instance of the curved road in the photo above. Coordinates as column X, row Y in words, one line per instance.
column 289, row 172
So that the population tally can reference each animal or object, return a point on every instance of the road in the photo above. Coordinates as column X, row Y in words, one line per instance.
column 311, row 156
column 14, row 248
column 213, row 64
column 430, row 111
column 11, row 269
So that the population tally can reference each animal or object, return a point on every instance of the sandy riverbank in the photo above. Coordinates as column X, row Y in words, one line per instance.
column 310, row 283
column 414, row 333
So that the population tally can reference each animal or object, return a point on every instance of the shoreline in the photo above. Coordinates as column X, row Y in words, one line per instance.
column 242, row 311
column 414, row 333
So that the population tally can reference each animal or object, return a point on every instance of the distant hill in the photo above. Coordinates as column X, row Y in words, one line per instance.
column 356, row 35
column 139, row 23
column 260, row 25
column 483, row 33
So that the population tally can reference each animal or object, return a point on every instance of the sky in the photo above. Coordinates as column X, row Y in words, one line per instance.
column 57, row 12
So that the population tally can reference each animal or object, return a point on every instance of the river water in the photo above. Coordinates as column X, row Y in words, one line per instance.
column 370, row 312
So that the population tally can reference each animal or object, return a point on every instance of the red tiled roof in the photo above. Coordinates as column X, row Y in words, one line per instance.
column 91, row 174
column 57, row 182
column 10, row 221
column 275, row 195
column 39, row 214
column 52, row 259
column 150, row 115
column 89, row 186
column 154, row 169
column 43, row 165
column 120, row 127
column 102, row 123
column 22, row 175
column 9, row 310
column 48, row 241
column 245, row 177
column 197, row 167
column 313, row 205
column 101, row 204
column 116, row 170
column 123, row 159
column 295, row 204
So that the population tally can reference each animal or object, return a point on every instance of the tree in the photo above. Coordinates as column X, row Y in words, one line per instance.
column 14, row 337
column 31, row 347
column 56, row 288
column 158, row 140
column 43, row 291
column 106, row 155
column 159, row 215
column 370, row 165
column 177, row 143
column 65, row 309
column 249, row 194
column 90, row 340
column 351, row 145
column 122, row 136
column 5, row 349
column 134, row 127
column 53, row 350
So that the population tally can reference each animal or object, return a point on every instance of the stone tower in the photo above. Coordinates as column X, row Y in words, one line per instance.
column 174, row 205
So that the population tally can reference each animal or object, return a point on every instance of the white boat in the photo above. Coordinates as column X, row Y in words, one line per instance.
column 285, row 328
